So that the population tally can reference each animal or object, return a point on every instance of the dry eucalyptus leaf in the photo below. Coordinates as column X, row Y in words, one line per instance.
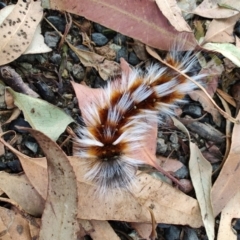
column 221, row 30
column 201, row 173
column 230, row 211
column 226, row 49
column 18, row 29
column 16, row 226
column 173, row 13
column 19, row 189
column 105, row 67
column 140, row 20
column 37, row 44
column 59, row 219
column 211, row 9
column 102, row 230
column 120, row 205
column 228, row 181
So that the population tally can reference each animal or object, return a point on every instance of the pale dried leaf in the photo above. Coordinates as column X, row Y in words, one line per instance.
column 34, row 227
column 207, row 105
column 4, row 12
column 186, row 212
column 228, row 181
column 226, row 97
column 143, row 229
column 37, row 45
column 59, row 217
column 19, row 189
column 16, row 225
column 18, row 29
column 230, row 211
column 173, row 13
column 106, row 68
column 168, row 164
column 211, row 9
column 201, row 173
column 220, row 30
column 121, row 205
column 140, row 20
column 226, row 49
column 230, row 4
column 102, row 230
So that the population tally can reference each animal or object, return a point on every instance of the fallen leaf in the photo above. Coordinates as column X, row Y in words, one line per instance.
column 102, row 230
column 42, row 115
column 207, row 105
column 230, row 4
column 173, row 13
column 226, row 49
column 18, row 188
column 16, row 226
column 211, row 9
column 140, row 20
column 201, row 172
column 143, row 229
column 106, row 68
column 120, row 205
column 226, row 185
column 37, row 44
column 230, row 211
column 59, row 217
column 221, row 30
column 18, row 29
column 226, row 97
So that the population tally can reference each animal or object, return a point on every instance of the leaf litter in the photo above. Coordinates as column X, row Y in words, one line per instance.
column 20, row 24
column 229, row 50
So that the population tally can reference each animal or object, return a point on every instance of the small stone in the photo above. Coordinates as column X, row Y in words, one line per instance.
column 99, row 28
column 174, row 138
column 51, row 39
column 40, row 58
column 190, row 234
column 56, row 58
column 19, row 122
column 99, row 39
column 99, row 83
column 133, row 59
column 69, row 66
column 45, row 91
column 192, row 110
column 120, row 39
column 172, row 232
column 78, row 72
column 122, row 53
column 8, row 156
column 2, row 5
column 161, row 146
column 58, row 22
column 31, row 144
column 15, row 166
column 182, row 172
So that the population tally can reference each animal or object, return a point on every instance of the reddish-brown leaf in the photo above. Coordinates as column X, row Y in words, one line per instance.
column 140, row 20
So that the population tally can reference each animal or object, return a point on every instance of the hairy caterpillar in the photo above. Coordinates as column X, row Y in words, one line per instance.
column 116, row 123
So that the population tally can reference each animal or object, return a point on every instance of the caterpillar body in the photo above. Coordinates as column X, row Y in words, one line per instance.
column 116, row 123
